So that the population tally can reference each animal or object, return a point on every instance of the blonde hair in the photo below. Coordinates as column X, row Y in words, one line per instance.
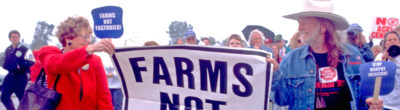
column 377, row 48
column 71, row 28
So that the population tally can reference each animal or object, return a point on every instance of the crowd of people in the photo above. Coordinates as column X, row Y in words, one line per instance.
column 317, row 46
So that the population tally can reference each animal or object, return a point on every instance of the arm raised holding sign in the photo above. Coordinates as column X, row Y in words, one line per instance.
column 104, row 45
column 390, row 54
column 82, row 80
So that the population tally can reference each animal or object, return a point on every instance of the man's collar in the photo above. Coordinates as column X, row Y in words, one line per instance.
column 346, row 50
column 305, row 51
column 19, row 45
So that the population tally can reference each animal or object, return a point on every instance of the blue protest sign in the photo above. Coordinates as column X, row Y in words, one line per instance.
column 108, row 22
column 369, row 71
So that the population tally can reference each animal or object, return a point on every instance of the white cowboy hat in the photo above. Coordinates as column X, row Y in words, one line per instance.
column 322, row 9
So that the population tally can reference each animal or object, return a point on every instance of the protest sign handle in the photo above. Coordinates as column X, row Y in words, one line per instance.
column 377, row 87
column 378, row 81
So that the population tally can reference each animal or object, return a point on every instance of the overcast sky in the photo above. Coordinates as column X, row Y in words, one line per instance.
column 149, row 19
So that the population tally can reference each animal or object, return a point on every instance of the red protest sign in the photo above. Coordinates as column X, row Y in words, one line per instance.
column 381, row 25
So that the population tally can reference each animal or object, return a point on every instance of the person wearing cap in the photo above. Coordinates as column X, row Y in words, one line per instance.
column 357, row 39
column 322, row 74
column 268, row 42
column 282, row 48
column 190, row 37
column 281, row 44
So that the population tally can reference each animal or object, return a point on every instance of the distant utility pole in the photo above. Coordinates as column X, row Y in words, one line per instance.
column 126, row 40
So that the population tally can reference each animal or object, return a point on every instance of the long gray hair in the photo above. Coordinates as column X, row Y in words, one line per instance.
column 333, row 42
column 251, row 42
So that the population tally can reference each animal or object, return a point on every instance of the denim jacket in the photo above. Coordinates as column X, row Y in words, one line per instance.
column 294, row 83
column 366, row 52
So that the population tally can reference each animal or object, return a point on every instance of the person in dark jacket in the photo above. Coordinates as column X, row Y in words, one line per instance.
column 357, row 39
column 17, row 64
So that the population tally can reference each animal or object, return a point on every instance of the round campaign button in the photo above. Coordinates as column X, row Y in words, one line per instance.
column 18, row 53
column 328, row 74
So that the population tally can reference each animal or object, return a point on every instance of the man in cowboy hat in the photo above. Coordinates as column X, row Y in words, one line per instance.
column 324, row 74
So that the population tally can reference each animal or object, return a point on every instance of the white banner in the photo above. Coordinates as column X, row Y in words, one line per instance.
column 203, row 77
column 381, row 25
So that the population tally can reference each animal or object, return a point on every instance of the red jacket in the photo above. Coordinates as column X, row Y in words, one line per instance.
column 96, row 95
column 35, row 68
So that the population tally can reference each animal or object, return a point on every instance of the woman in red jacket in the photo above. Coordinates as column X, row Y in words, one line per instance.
column 82, row 81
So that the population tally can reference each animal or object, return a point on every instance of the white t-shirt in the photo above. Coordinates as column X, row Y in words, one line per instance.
column 113, row 82
column 392, row 100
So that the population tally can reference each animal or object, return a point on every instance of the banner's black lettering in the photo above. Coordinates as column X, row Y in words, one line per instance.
column 180, row 71
column 160, row 63
column 136, row 69
column 215, row 104
column 219, row 70
column 248, row 88
column 166, row 101
column 188, row 104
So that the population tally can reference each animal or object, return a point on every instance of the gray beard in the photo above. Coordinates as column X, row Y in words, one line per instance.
column 314, row 40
